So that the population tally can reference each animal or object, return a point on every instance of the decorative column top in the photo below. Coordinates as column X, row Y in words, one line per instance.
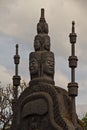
column 16, row 77
column 16, row 57
column 73, row 34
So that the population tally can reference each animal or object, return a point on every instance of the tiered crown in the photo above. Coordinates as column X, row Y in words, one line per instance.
column 41, row 62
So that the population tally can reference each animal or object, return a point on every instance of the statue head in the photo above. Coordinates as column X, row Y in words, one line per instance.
column 34, row 65
column 42, row 42
column 47, row 43
column 48, row 63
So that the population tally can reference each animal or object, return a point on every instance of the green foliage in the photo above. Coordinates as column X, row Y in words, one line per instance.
column 84, row 120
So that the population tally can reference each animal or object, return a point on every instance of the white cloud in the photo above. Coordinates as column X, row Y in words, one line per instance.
column 61, row 80
column 5, row 76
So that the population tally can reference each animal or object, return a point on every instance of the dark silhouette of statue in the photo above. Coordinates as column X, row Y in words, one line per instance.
column 42, row 105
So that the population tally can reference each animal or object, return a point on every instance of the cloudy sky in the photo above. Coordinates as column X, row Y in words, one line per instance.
column 18, row 20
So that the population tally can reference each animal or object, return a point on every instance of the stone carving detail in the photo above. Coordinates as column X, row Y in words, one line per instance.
column 42, row 42
column 48, row 65
column 42, row 26
column 43, row 87
column 41, row 65
column 37, row 43
column 46, row 43
column 36, row 113
column 36, row 122
column 41, row 62
column 34, row 65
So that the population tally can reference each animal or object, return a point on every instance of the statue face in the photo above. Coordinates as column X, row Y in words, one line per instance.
column 37, row 45
column 47, row 44
column 33, row 66
column 49, row 65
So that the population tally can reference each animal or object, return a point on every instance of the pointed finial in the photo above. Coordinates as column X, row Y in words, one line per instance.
column 16, row 57
column 16, row 78
column 16, row 45
column 42, row 13
column 73, row 34
column 42, row 26
column 16, row 49
column 42, row 18
column 73, row 26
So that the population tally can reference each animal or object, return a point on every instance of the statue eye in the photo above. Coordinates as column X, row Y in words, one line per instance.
column 48, row 61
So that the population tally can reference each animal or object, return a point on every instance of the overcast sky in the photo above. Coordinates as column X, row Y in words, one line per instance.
column 18, row 20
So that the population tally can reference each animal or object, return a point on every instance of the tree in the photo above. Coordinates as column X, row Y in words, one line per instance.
column 6, row 97
column 84, row 120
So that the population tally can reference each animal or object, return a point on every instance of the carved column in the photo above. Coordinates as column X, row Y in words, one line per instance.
column 16, row 83
column 73, row 86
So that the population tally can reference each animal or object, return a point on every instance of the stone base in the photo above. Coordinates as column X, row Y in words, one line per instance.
column 45, row 107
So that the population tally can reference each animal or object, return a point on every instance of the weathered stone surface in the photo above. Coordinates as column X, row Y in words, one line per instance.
column 44, row 103
column 42, row 42
column 41, row 65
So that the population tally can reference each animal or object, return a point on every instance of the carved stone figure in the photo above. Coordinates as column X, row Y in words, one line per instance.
column 42, row 105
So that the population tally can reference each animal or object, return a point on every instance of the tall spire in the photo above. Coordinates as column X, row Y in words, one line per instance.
column 42, row 18
column 73, row 86
column 16, row 83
